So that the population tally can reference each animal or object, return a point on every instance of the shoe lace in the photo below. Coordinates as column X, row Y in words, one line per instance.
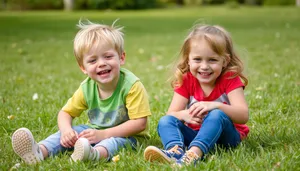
column 189, row 156
column 174, row 150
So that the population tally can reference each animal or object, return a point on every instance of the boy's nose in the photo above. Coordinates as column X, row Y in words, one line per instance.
column 101, row 62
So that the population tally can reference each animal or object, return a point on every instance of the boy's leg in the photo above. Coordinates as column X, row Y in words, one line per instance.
column 104, row 149
column 52, row 143
column 174, row 136
column 25, row 146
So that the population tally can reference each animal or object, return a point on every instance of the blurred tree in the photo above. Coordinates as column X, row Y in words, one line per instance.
column 298, row 3
column 180, row 2
column 68, row 5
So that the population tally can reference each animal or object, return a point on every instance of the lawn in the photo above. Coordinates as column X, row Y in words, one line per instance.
column 37, row 59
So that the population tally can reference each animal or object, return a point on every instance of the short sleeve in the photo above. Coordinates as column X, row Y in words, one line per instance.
column 183, row 90
column 232, row 83
column 76, row 104
column 137, row 102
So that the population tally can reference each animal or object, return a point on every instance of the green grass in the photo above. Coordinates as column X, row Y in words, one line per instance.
column 37, row 57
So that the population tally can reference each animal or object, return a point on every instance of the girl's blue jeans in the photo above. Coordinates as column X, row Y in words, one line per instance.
column 112, row 145
column 217, row 128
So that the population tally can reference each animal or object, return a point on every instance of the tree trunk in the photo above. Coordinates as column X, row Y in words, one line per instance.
column 298, row 3
column 68, row 5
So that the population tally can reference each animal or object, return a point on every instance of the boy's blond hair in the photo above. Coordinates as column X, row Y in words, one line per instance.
column 91, row 34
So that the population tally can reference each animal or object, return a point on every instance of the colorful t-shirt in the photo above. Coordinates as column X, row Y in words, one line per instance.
column 191, row 90
column 129, row 101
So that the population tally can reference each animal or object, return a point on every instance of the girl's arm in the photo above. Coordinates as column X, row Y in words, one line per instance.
column 178, row 109
column 237, row 110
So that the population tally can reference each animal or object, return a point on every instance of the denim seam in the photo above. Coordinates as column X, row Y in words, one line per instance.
column 195, row 143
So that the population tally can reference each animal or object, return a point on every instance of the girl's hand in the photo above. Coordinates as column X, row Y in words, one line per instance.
column 68, row 138
column 93, row 135
column 186, row 117
column 200, row 109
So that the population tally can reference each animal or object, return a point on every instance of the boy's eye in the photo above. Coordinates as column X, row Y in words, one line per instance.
column 108, row 56
column 91, row 60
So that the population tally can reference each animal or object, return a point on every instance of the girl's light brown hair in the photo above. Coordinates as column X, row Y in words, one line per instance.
column 221, row 43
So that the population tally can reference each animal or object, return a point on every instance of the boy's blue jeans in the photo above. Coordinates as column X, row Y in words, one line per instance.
column 217, row 128
column 112, row 145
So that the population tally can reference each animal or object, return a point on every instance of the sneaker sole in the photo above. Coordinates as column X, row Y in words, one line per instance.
column 23, row 142
column 153, row 154
column 79, row 150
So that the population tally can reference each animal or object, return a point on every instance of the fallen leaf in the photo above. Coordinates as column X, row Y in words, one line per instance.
column 116, row 158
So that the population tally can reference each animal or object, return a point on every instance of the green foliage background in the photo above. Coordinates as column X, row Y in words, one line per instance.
column 37, row 58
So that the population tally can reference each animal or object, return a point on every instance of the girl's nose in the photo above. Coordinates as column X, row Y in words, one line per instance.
column 204, row 65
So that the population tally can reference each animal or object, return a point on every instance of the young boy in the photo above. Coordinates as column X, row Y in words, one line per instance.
column 116, row 101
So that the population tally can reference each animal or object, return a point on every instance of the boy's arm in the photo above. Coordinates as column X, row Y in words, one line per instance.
column 74, row 107
column 68, row 135
column 128, row 128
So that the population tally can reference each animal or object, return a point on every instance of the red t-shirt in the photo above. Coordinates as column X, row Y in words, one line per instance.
column 191, row 90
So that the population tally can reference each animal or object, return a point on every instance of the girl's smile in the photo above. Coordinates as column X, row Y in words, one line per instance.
column 204, row 63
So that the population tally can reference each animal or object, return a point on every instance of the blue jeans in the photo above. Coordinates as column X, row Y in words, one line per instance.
column 112, row 145
column 217, row 128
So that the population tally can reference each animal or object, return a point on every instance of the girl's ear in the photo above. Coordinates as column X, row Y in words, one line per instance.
column 226, row 61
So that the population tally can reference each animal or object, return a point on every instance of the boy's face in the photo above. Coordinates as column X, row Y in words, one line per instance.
column 102, row 64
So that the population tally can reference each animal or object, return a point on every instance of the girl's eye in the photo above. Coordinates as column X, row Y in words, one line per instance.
column 213, row 60
column 197, row 59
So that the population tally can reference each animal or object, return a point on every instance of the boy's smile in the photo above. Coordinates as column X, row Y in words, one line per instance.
column 102, row 64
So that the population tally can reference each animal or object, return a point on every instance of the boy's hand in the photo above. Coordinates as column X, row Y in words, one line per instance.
column 68, row 138
column 93, row 135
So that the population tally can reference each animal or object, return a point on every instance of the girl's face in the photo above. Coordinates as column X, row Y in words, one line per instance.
column 204, row 63
column 102, row 64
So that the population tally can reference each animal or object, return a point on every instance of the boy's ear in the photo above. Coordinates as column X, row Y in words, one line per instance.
column 82, row 69
column 122, row 58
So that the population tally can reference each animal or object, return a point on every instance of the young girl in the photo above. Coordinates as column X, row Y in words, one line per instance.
column 208, row 106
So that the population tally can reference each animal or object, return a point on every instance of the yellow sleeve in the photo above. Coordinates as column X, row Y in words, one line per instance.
column 76, row 104
column 137, row 101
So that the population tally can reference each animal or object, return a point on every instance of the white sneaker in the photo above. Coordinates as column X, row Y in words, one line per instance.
column 24, row 146
column 84, row 151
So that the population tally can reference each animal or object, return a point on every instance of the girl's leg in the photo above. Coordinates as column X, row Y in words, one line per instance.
column 217, row 127
column 174, row 136
column 173, row 132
